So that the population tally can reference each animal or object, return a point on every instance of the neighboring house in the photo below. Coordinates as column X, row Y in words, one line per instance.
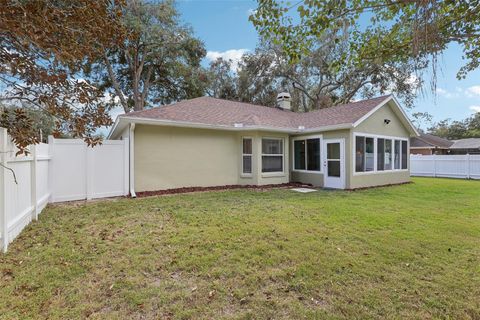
column 464, row 146
column 427, row 144
column 212, row 142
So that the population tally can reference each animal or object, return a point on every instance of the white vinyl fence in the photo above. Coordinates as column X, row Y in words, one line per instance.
column 82, row 172
column 62, row 170
column 449, row 166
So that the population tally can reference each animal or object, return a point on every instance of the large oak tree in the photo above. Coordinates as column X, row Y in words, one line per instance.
column 377, row 30
column 158, row 63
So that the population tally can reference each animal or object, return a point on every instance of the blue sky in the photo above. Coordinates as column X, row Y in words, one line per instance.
column 224, row 27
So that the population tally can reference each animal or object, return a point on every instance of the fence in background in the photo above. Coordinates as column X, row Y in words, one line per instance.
column 449, row 166
column 62, row 170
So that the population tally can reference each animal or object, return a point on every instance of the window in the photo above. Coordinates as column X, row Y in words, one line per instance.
column 247, row 156
column 360, row 154
column 380, row 154
column 404, row 155
column 388, row 154
column 364, row 154
column 369, row 154
column 307, row 154
column 272, row 155
column 396, row 157
column 299, row 149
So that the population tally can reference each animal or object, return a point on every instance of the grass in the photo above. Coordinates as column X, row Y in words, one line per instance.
column 409, row 251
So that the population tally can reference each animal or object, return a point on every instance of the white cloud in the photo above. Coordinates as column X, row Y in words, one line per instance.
column 446, row 94
column 475, row 108
column 473, row 91
column 251, row 12
column 234, row 55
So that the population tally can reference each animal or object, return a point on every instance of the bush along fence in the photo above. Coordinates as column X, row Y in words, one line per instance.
column 62, row 170
column 448, row 166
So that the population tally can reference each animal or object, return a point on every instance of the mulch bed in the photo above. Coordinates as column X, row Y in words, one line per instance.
column 220, row 188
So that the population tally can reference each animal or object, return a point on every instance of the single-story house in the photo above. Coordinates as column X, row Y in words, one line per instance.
column 212, row 142
column 427, row 144
column 465, row 146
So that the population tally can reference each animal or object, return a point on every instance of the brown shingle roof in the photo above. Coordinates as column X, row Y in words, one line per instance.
column 212, row 111
column 469, row 143
column 427, row 140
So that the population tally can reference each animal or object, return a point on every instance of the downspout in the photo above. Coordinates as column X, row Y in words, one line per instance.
column 132, row 159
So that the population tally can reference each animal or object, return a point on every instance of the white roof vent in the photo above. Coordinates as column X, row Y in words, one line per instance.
column 284, row 100
column 238, row 125
column 301, row 128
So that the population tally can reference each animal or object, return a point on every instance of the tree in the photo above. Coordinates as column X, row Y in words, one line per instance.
column 222, row 81
column 42, row 123
column 391, row 31
column 419, row 119
column 158, row 63
column 468, row 128
column 44, row 46
column 315, row 81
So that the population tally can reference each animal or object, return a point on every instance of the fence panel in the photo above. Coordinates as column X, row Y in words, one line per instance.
column 24, row 187
column 82, row 172
column 449, row 166
column 62, row 170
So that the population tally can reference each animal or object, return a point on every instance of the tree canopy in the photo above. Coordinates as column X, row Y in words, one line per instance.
column 315, row 81
column 159, row 62
column 376, row 30
column 44, row 47
column 468, row 128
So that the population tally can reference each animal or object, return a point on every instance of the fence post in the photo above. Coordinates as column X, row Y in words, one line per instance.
column 33, row 182
column 434, row 165
column 3, row 189
column 51, row 186
column 468, row 166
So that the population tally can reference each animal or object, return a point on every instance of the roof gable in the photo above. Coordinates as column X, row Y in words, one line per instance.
column 397, row 110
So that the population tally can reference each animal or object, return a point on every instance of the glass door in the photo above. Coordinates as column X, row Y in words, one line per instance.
column 334, row 172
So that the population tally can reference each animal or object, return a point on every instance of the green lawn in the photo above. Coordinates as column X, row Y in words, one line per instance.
column 409, row 251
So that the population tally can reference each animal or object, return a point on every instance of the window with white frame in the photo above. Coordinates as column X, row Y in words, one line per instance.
column 364, row 154
column 247, row 156
column 272, row 155
column 306, row 154
column 380, row 153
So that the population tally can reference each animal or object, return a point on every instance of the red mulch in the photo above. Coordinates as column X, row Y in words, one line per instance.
column 217, row 188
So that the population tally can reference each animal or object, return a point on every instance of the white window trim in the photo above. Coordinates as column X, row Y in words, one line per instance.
column 242, row 173
column 375, row 138
column 273, row 173
column 306, row 137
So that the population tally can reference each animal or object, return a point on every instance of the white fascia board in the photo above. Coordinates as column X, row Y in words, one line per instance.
column 114, row 127
column 123, row 121
column 398, row 107
column 326, row 128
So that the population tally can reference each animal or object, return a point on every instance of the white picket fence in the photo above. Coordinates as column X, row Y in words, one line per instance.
column 449, row 166
column 62, row 170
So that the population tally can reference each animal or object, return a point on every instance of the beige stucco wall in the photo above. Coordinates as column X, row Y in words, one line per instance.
column 375, row 125
column 173, row 157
